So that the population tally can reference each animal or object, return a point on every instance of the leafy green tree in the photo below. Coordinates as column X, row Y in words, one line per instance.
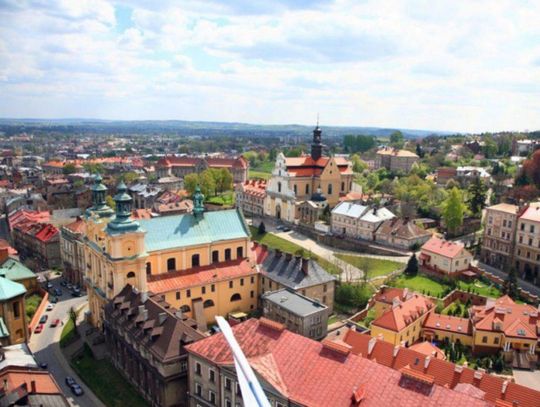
column 419, row 151
column 93, row 168
column 358, row 164
column 110, row 202
column 129, row 177
column 261, row 230
column 224, row 180
column 190, row 183
column 477, row 196
column 511, row 286
column 73, row 318
column 69, row 168
column 412, row 266
column 396, row 139
column 453, row 210
column 207, row 183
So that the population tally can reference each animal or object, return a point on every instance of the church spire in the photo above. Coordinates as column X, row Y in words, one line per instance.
column 122, row 221
column 99, row 191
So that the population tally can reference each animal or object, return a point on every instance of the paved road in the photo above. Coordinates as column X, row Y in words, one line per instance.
column 528, row 378
column 46, row 348
column 522, row 283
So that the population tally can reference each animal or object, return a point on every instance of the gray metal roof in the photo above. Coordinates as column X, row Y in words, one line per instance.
column 293, row 302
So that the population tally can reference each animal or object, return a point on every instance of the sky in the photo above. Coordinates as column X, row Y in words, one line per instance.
column 455, row 65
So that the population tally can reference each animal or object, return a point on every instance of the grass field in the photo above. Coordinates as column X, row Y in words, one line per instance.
column 68, row 331
column 375, row 267
column 259, row 174
column 106, row 382
column 226, row 199
column 480, row 288
column 276, row 242
column 420, row 283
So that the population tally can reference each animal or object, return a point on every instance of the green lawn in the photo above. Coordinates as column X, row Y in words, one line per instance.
column 419, row 283
column 276, row 242
column 68, row 331
column 31, row 303
column 266, row 166
column 375, row 267
column 226, row 198
column 106, row 382
column 480, row 288
column 259, row 174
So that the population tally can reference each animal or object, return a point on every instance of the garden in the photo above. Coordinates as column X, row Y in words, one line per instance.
column 373, row 267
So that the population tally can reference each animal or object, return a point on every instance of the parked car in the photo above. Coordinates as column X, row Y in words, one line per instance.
column 279, row 227
column 50, row 307
column 286, row 229
column 38, row 329
column 58, row 292
column 49, row 285
column 44, row 365
column 76, row 293
column 43, row 319
column 77, row 390
column 53, row 300
column 69, row 286
column 63, row 283
column 55, row 323
column 70, row 381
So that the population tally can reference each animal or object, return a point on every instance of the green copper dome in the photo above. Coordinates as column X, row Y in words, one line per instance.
column 122, row 221
column 99, row 192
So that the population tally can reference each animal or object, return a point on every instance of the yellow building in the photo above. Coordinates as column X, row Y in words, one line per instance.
column 198, row 261
column 13, row 326
column 438, row 327
column 403, row 322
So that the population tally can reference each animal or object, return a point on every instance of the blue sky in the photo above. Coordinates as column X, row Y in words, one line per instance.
column 446, row 65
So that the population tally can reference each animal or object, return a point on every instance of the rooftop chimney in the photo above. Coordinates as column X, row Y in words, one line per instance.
column 371, row 345
column 305, row 265
column 504, row 386
column 33, row 387
column 144, row 297
column 288, row 256
column 426, row 362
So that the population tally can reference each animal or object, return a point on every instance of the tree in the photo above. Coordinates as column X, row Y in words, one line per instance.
column 93, row 168
column 190, row 182
column 420, row 151
column 511, row 287
column 412, row 266
column 69, row 168
column 223, row 179
column 531, row 168
column 207, row 183
column 358, row 164
column 110, row 202
column 396, row 139
column 453, row 210
column 477, row 196
column 73, row 318
column 129, row 177
column 261, row 230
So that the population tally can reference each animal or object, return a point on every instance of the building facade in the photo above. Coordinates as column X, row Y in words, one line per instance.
column 499, row 235
column 146, row 340
column 449, row 258
column 527, row 244
column 250, row 197
column 13, row 324
column 72, row 251
column 395, row 160
column 181, row 166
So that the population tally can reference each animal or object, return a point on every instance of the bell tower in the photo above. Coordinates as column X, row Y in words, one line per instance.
column 316, row 145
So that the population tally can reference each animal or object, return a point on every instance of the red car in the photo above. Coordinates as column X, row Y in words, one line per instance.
column 38, row 329
column 55, row 323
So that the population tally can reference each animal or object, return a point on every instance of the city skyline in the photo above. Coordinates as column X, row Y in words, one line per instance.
column 446, row 67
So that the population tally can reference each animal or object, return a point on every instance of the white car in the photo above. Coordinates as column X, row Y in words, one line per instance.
column 50, row 307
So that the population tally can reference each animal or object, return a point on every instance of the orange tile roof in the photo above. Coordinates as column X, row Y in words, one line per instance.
column 399, row 317
column 445, row 373
column 428, row 349
column 517, row 320
column 77, row 226
column 387, row 294
column 5, row 244
column 443, row 247
column 179, row 280
column 532, row 213
column 448, row 323
column 310, row 373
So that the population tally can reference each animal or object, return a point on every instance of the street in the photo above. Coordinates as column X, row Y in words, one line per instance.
column 522, row 283
column 46, row 348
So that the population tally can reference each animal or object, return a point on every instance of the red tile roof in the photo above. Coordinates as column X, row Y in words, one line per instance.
column 445, row 373
column 313, row 374
column 305, row 166
column 387, row 294
column 47, row 233
column 516, row 320
column 256, row 188
column 26, row 215
column 443, row 247
column 448, row 323
column 179, row 280
column 213, row 162
column 428, row 349
column 402, row 315
column 77, row 226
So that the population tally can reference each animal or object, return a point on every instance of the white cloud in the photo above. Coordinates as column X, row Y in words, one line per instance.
column 457, row 65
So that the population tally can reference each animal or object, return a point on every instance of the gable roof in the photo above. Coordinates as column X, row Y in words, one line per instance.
column 445, row 373
column 350, row 209
column 448, row 323
column 402, row 315
column 316, row 374
column 402, row 229
column 10, row 289
column 187, row 230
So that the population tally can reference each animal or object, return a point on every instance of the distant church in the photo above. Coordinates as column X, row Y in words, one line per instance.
column 313, row 179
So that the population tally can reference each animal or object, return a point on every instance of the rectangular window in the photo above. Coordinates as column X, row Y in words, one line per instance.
column 203, row 290
column 484, row 339
column 496, row 340
column 178, row 295
column 198, row 368
column 228, row 403
column 241, row 281
column 211, row 375
column 188, row 293
column 231, row 284
column 252, row 280
column 531, row 229
column 228, row 384
column 252, row 294
column 198, row 389
column 213, row 288
column 211, row 397
column 16, row 310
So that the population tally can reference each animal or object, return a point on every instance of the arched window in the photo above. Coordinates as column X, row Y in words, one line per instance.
column 131, row 274
column 208, row 304
column 171, row 264
column 227, row 254
column 342, row 186
column 329, row 189
column 215, row 256
column 195, row 260
column 279, row 186
column 185, row 308
column 239, row 252
column 236, row 297
column 295, row 189
column 307, row 189
column 148, row 268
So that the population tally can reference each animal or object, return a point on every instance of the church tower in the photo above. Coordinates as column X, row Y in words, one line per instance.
column 316, row 145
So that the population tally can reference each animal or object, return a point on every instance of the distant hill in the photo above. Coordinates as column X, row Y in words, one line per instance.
column 203, row 128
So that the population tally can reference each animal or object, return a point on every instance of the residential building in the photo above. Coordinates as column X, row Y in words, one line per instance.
column 445, row 257
column 296, row 179
column 250, row 196
column 358, row 221
column 467, row 174
column 13, row 324
column 401, row 233
column 445, row 174
column 460, row 380
column 315, row 374
column 199, row 261
column 438, row 327
column 72, row 251
column 370, row 221
column 395, row 160
column 144, row 195
column 146, row 340
column 499, row 235
column 170, row 183
column 387, row 297
column 14, row 270
column 298, row 313
column 402, row 324
column 527, row 243
column 428, row 349
column 38, row 241
column 524, row 147
column 181, row 166
column 305, row 276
